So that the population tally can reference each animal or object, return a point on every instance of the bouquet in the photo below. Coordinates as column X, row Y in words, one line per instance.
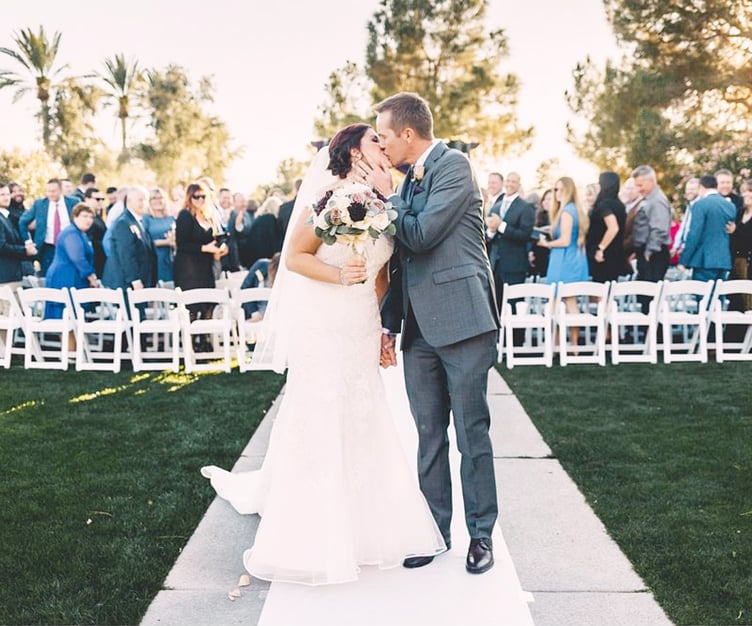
column 352, row 214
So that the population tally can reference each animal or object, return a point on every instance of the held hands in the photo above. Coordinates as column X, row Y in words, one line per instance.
column 353, row 272
column 31, row 249
column 388, row 356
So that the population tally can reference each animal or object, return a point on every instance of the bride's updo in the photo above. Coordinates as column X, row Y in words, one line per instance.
column 340, row 160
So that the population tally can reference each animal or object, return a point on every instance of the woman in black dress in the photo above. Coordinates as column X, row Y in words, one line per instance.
column 741, row 246
column 605, row 239
column 196, row 251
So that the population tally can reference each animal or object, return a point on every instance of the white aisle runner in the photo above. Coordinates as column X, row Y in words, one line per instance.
column 438, row 594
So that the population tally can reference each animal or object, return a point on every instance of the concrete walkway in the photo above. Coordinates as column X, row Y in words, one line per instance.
column 556, row 566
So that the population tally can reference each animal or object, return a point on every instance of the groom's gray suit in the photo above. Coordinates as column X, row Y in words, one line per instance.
column 445, row 298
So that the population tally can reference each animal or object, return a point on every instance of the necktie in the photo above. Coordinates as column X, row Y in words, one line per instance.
column 407, row 186
column 56, row 228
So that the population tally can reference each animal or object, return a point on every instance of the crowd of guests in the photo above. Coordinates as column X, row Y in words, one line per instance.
column 135, row 237
column 618, row 229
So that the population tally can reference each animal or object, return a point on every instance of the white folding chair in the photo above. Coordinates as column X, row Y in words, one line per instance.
column 101, row 317
column 39, row 352
column 248, row 329
column 11, row 321
column 155, row 319
column 720, row 315
column 624, row 313
column 219, row 327
column 684, row 306
column 590, row 299
column 231, row 280
column 528, row 307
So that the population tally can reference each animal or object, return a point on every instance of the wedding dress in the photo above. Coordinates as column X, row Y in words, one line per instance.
column 335, row 490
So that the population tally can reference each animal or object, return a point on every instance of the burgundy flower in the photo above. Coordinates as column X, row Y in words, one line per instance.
column 322, row 203
column 357, row 211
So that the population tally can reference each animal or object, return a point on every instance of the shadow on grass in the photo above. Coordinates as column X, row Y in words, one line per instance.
column 101, row 488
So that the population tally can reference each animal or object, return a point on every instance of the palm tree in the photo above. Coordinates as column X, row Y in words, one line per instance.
column 37, row 55
column 122, row 77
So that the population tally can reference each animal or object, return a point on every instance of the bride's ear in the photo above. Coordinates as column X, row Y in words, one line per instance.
column 355, row 154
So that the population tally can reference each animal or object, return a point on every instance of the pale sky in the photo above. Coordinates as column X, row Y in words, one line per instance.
column 270, row 61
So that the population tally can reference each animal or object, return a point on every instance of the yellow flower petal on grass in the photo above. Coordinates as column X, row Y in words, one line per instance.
column 234, row 594
column 244, row 581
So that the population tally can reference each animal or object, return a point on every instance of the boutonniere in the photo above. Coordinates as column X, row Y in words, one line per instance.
column 419, row 171
column 135, row 230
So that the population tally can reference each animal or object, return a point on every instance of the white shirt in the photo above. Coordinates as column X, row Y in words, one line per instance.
column 422, row 158
column 59, row 206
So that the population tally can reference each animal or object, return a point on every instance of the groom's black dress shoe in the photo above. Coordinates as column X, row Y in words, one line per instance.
column 480, row 556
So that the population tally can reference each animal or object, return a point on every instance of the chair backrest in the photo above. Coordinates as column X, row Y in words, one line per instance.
column 583, row 291
column 735, row 286
column 623, row 294
column 231, row 280
column 209, row 295
column 112, row 301
column 252, row 294
column 682, row 295
column 538, row 297
column 29, row 298
column 9, row 306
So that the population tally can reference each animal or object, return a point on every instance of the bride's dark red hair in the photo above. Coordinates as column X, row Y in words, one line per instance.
column 345, row 140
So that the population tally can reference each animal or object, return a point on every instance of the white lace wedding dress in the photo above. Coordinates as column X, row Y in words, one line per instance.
column 335, row 491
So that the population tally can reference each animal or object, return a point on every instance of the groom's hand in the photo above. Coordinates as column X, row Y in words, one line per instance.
column 388, row 355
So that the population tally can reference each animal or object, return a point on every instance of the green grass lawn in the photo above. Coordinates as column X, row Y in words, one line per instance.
column 101, row 486
column 663, row 454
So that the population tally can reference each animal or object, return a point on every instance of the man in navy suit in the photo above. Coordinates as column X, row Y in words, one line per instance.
column 509, row 226
column 131, row 259
column 51, row 215
column 12, row 248
column 707, row 249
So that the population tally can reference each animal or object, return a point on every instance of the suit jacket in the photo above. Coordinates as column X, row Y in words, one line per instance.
column 707, row 243
column 285, row 212
column 38, row 211
column 508, row 250
column 131, row 255
column 12, row 252
column 445, row 274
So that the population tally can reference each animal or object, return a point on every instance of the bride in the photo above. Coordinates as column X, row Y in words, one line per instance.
column 335, row 491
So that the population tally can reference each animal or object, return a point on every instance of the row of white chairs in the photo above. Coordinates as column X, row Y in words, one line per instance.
column 684, row 311
column 154, row 330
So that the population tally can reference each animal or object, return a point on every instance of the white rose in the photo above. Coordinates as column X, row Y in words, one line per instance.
column 380, row 221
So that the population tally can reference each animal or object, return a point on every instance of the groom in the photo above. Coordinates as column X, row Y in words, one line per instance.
column 445, row 305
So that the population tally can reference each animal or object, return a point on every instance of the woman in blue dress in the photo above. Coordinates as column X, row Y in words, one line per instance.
column 73, row 263
column 567, row 261
column 161, row 228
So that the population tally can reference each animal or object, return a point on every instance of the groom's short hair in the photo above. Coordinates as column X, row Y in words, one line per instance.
column 408, row 110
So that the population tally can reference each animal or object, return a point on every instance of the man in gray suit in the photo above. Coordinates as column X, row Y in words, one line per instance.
column 444, row 304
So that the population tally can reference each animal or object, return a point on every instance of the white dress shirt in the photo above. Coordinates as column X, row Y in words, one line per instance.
column 59, row 206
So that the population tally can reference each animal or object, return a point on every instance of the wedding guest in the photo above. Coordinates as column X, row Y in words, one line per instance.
column 285, row 211
column 567, row 262
column 224, row 202
column 539, row 256
column 725, row 181
column 94, row 199
column 196, row 252
column 262, row 274
column 51, row 215
column 240, row 227
column 631, row 198
column 112, row 197
column 217, row 217
column 650, row 232
column 117, row 208
column 68, row 188
column 160, row 226
column 73, row 265
column 17, row 203
column 14, row 252
column 88, row 181
column 605, row 237
column 691, row 194
column 591, row 193
column 177, row 199
column 741, row 244
column 265, row 236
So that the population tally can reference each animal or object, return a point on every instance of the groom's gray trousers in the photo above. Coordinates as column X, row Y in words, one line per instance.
column 454, row 378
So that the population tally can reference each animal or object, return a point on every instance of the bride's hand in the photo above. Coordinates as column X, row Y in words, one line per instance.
column 378, row 176
column 353, row 272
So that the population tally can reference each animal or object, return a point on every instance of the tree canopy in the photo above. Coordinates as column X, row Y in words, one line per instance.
column 442, row 50
column 682, row 88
